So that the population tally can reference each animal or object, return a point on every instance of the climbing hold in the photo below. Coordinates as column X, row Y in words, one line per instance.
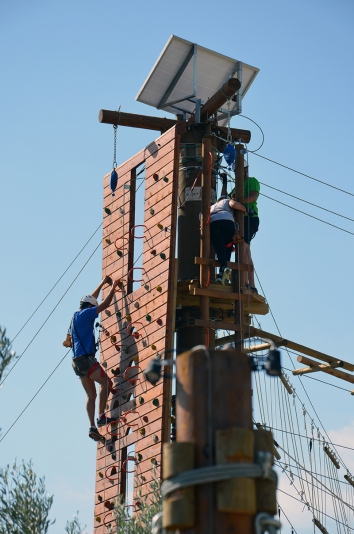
column 121, row 210
column 160, row 226
column 117, row 347
column 148, row 317
column 98, row 519
column 141, row 400
column 165, row 179
column 113, row 471
column 113, row 339
column 104, row 364
column 126, row 350
column 99, row 498
column 124, row 397
column 142, row 431
column 145, row 419
column 136, row 305
column 153, row 252
column 151, row 211
column 155, row 438
column 144, row 342
column 113, row 181
column 162, row 256
column 120, row 253
column 110, row 448
column 118, row 314
column 159, row 289
column 143, row 478
column 108, row 241
column 128, row 318
column 114, row 456
column 100, row 474
column 136, row 359
column 146, row 287
column 139, row 456
column 156, row 402
column 153, row 461
column 153, row 347
column 108, row 211
column 109, row 505
column 159, row 322
column 155, row 176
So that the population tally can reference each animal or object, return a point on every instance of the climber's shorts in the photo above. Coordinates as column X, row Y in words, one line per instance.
column 250, row 229
column 85, row 365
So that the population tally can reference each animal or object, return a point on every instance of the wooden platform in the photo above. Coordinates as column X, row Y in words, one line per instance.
column 221, row 297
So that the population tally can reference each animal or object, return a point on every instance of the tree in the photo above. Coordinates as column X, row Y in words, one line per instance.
column 7, row 356
column 74, row 526
column 24, row 503
column 140, row 522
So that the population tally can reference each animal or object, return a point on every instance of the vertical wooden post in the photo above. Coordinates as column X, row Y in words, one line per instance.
column 239, row 276
column 207, row 164
column 213, row 393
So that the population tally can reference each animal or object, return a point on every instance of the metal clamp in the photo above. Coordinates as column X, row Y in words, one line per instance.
column 266, row 523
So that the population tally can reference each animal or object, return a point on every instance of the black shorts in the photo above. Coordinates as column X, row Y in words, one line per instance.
column 251, row 228
column 85, row 365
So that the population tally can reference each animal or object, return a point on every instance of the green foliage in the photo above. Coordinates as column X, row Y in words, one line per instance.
column 74, row 526
column 140, row 522
column 24, row 503
column 7, row 356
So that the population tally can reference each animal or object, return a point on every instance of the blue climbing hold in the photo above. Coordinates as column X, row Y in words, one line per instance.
column 113, row 181
column 230, row 155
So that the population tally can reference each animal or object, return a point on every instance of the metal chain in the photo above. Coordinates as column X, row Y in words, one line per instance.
column 115, row 126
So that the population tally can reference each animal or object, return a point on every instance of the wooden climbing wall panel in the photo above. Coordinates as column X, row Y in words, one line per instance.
column 139, row 324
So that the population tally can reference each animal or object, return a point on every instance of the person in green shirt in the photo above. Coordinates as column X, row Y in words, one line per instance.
column 251, row 222
column 251, row 193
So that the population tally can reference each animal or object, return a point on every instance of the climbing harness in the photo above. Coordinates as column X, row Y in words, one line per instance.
column 114, row 176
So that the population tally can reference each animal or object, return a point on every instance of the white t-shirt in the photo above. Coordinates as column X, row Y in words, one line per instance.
column 221, row 210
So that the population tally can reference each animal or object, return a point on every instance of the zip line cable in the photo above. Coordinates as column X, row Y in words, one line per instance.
column 56, row 283
column 35, row 395
column 306, row 175
column 307, row 202
column 302, row 385
column 57, row 304
column 308, row 215
column 315, row 509
column 282, row 464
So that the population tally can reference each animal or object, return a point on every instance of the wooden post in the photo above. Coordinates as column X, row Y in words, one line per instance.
column 205, row 232
column 239, row 276
column 219, row 98
column 213, row 394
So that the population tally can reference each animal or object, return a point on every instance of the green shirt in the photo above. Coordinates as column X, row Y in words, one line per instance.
column 251, row 184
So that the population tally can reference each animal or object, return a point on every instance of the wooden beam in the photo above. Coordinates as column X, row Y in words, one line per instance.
column 281, row 342
column 231, row 264
column 228, row 295
column 219, row 98
column 329, row 369
column 161, row 124
column 135, row 121
column 257, row 348
column 219, row 325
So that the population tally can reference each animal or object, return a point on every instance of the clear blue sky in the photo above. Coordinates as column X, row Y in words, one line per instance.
column 61, row 62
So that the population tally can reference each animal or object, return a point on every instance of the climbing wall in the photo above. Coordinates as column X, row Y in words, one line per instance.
column 139, row 324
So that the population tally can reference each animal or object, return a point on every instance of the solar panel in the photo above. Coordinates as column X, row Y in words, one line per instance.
column 185, row 72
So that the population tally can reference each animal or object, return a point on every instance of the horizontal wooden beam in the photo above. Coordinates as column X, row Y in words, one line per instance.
column 161, row 124
column 231, row 264
column 281, row 342
column 228, row 295
column 330, row 369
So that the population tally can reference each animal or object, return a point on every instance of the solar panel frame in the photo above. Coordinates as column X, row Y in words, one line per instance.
column 185, row 71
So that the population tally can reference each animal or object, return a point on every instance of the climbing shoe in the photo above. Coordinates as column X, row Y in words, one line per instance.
column 94, row 434
column 105, row 420
column 226, row 276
